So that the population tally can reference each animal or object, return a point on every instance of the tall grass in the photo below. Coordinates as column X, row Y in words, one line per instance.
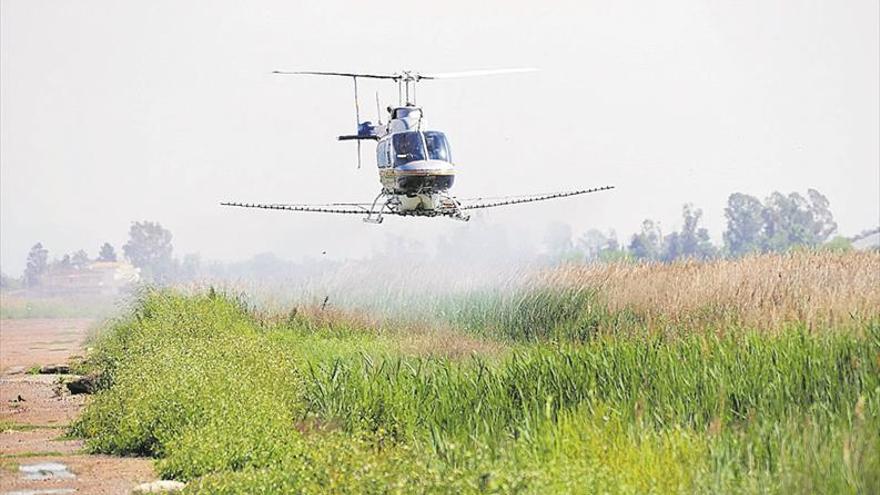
column 816, row 289
column 534, row 314
column 243, row 402
column 690, row 383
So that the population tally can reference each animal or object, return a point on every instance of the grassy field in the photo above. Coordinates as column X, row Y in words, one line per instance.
column 676, row 378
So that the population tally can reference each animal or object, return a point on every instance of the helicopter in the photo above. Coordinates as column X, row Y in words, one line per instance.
column 416, row 169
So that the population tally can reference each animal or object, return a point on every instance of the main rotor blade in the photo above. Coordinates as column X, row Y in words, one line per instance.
column 344, row 74
column 476, row 73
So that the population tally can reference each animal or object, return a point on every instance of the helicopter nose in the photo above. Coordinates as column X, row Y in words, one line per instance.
column 422, row 174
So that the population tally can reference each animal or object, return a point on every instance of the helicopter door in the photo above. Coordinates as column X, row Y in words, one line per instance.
column 383, row 154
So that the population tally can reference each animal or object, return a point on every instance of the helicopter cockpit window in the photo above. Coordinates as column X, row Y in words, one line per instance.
column 438, row 147
column 408, row 147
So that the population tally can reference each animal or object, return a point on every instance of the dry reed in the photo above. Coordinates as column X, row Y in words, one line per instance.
column 812, row 288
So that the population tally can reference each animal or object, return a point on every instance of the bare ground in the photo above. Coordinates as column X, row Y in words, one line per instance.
column 36, row 409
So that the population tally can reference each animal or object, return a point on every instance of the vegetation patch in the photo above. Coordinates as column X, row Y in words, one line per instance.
column 235, row 400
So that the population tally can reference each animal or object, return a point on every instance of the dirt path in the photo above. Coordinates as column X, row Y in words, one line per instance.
column 35, row 409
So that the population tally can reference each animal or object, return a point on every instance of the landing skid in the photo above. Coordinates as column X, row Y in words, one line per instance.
column 390, row 203
column 375, row 215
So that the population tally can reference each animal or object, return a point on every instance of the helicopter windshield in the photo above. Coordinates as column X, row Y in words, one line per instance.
column 408, row 147
column 438, row 147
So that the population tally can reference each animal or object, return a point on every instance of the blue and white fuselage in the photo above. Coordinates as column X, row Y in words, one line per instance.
column 415, row 164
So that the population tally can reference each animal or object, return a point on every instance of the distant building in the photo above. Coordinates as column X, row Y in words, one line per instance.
column 870, row 241
column 100, row 277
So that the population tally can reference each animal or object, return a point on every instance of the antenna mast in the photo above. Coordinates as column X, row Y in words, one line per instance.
column 378, row 109
column 357, row 116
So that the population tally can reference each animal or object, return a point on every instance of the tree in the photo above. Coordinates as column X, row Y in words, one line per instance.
column 781, row 222
column 745, row 225
column 190, row 267
column 79, row 260
column 149, row 248
column 107, row 253
column 557, row 239
column 839, row 244
column 823, row 221
column 646, row 244
column 37, row 262
column 691, row 242
column 787, row 221
column 796, row 221
column 596, row 246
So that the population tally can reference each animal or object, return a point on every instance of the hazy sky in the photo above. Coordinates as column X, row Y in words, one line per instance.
column 117, row 111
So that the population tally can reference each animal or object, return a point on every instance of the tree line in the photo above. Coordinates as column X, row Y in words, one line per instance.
column 779, row 223
column 148, row 248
